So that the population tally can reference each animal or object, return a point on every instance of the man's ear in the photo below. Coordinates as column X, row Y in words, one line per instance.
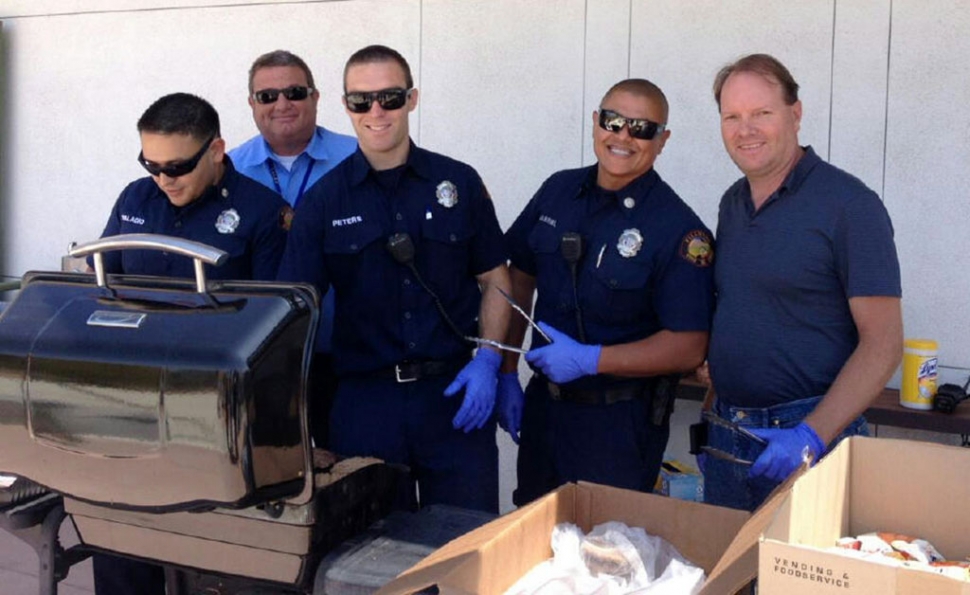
column 218, row 149
column 413, row 100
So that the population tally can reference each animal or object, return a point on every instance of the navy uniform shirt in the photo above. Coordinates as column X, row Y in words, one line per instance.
column 646, row 263
column 339, row 237
column 785, row 273
column 237, row 215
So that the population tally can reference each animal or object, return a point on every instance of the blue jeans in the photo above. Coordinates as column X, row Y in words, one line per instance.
column 727, row 483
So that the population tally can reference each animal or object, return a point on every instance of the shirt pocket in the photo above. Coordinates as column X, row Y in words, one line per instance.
column 621, row 290
column 444, row 256
column 553, row 276
column 357, row 261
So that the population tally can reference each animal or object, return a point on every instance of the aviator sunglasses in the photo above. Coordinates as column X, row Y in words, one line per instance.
column 639, row 128
column 177, row 169
column 360, row 102
column 293, row 93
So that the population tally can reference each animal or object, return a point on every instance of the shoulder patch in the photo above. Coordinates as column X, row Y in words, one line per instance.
column 286, row 217
column 697, row 248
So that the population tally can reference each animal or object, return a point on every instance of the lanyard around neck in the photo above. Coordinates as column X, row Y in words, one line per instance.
column 276, row 179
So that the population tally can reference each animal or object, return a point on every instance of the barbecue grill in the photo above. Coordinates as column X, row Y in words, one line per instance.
column 167, row 418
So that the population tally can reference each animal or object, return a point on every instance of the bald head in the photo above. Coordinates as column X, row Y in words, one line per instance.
column 641, row 88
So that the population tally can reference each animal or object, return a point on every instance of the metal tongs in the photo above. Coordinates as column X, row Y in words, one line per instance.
column 720, row 454
column 528, row 318
column 503, row 346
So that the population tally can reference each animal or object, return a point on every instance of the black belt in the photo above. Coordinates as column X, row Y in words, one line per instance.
column 601, row 396
column 416, row 370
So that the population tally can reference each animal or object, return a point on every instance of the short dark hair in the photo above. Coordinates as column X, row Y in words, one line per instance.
column 641, row 88
column 181, row 113
column 765, row 65
column 279, row 58
column 379, row 53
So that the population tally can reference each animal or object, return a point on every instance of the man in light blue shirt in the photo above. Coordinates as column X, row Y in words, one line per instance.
column 291, row 152
column 289, row 155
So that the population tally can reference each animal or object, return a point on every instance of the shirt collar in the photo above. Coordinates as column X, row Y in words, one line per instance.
column 801, row 170
column 792, row 182
column 316, row 149
column 417, row 162
column 638, row 189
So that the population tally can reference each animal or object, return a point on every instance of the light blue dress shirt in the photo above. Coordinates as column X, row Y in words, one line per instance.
column 255, row 159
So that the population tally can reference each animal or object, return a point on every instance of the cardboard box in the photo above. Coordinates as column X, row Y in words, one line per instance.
column 869, row 484
column 490, row 559
column 680, row 480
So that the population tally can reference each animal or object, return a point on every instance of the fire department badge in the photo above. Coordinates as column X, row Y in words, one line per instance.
column 447, row 194
column 228, row 221
column 630, row 242
column 697, row 248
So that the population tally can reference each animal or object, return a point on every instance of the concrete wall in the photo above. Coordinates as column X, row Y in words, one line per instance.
column 509, row 87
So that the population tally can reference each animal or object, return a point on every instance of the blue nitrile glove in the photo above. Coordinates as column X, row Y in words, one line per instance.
column 478, row 380
column 565, row 358
column 510, row 400
column 784, row 451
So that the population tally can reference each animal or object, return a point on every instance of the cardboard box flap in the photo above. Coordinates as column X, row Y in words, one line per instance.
column 425, row 575
column 739, row 564
column 460, row 560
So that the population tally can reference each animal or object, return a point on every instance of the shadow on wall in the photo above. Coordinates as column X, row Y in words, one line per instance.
column 4, row 127
column 8, row 283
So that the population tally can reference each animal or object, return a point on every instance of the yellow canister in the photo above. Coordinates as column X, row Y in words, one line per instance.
column 919, row 374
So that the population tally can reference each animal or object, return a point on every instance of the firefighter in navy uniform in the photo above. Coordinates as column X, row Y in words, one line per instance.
column 193, row 193
column 410, row 243
column 623, row 272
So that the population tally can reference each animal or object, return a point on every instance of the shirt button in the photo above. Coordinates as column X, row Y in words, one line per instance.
column 399, row 217
column 411, row 345
column 454, row 238
column 612, row 282
column 407, row 281
column 353, row 246
column 407, row 316
column 178, row 224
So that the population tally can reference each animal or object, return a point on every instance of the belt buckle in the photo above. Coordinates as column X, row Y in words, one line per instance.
column 397, row 375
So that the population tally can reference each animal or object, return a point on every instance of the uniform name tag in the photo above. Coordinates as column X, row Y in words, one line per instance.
column 348, row 221
column 130, row 219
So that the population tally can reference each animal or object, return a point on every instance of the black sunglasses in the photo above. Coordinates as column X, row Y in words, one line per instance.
column 177, row 169
column 639, row 128
column 294, row 93
column 390, row 99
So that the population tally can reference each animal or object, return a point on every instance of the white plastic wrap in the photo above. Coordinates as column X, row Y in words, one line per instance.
column 613, row 559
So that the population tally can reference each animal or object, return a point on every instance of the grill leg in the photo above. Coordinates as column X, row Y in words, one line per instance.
column 38, row 525
column 48, row 549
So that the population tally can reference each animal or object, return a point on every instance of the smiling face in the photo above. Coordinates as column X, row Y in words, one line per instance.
column 381, row 134
column 169, row 149
column 622, row 158
column 286, row 125
column 759, row 130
